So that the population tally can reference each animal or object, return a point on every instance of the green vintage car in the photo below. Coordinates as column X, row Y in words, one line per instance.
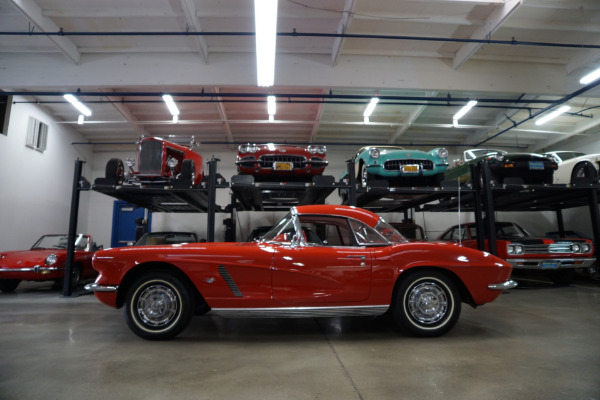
column 531, row 168
column 399, row 166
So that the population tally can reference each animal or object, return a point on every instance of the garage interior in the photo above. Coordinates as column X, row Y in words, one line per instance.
column 423, row 59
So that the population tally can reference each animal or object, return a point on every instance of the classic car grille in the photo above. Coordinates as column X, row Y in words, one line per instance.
column 562, row 247
column 268, row 160
column 394, row 165
column 151, row 157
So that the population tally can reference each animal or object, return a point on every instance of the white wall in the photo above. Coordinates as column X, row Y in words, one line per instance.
column 35, row 187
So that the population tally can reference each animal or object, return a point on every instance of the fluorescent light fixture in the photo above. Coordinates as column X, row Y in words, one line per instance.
column 168, row 99
column 371, row 107
column 80, row 119
column 265, row 19
column 461, row 113
column 271, row 105
column 78, row 105
column 366, row 120
column 455, row 122
column 591, row 77
column 175, row 119
column 552, row 115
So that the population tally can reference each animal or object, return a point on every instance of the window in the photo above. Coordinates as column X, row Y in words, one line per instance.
column 37, row 134
column 5, row 103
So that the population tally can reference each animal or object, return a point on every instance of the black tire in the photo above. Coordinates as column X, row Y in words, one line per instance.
column 594, row 272
column 436, row 180
column 427, row 304
column 75, row 278
column 563, row 277
column 363, row 177
column 158, row 306
column 584, row 170
column 187, row 171
column 9, row 285
column 115, row 170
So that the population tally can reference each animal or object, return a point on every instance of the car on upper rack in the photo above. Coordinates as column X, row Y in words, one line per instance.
column 317, row 261
column 397, row 166
column 528, row 168
column 275, row 162
column 573, row 165
column 165, row 238
column 556, row 257
column 45, row 261
column 159, row 162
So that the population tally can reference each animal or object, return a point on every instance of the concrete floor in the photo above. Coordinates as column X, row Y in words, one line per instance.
column 536, row 342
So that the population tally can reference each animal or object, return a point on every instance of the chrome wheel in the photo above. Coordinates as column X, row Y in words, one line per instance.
column 427, row 303
column 157, row 305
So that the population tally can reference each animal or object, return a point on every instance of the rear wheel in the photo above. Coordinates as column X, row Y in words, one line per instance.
column 115, row 170
column 9, row 285
column 158, row 306
column 427, row 304
column 584, row 170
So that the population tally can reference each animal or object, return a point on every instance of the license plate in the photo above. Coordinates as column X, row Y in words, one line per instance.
column 536, row 165
column 549, row 264
column 410, row 168
column 282, row 166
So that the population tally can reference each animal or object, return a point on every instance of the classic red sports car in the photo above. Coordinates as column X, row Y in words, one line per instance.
column 557, row 257
column 318, row 261
column 276, row 161
column 159, row 162
column 45, row 261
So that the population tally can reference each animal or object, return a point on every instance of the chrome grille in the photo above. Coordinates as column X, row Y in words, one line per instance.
column 268, row 160
column 562, row 247
column 394, row 165
column 151, row 157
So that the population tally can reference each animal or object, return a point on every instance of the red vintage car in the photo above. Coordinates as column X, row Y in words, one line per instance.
column 45, row 261
column 318, row 261
column 159, row 162
column 277, row 161
column 557, row 257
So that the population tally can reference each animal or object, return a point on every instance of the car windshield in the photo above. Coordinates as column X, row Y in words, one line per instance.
column 471, row 154
column 567, row 155
column 60, row 242
column 389, row 232
column 511, row 231
column 156, row 238
column 286, row 222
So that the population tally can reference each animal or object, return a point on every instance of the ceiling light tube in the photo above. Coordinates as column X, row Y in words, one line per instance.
column 552, row 115
column 80, row 119
column 265, row 19
column 461, row 113
column 271, row 105
column 168, row 99
column 591, row 77
column 78, row 105
column 371, row 107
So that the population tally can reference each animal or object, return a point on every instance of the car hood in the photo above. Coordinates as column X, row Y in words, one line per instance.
column 20, row 258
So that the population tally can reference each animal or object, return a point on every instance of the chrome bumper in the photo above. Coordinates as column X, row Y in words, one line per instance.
column 510, row 284
column 94, row 287
column 37, row 269
column 550, row 264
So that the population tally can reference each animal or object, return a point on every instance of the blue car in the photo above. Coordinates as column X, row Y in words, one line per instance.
column 400, row 167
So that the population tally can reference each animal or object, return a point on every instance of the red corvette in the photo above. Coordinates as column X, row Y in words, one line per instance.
column 318, row 261
column 274, row 161
column 45, row 261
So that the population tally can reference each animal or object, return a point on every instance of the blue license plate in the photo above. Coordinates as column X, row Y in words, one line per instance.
column 536, row 165
column 549, row 264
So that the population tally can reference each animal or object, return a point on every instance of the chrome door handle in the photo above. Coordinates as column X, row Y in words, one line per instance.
column 357, row 256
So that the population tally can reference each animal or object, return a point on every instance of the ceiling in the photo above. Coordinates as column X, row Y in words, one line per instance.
column 424, row 59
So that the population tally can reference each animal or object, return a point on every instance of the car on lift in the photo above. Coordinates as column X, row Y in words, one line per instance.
column 397, row 166
column 318, row 261
column 166, row 238
column 274, row 162
column 556, row 257
column 528, row 168
column 410, row 230
column 160, row 162
column 46, row 261
column 574, row 165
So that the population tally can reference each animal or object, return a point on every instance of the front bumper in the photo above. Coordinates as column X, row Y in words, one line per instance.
column 510, row 284
column 94, row 287
column 36, row 269
column 551, row 264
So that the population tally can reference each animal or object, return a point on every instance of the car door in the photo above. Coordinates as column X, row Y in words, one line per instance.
column 329, row 268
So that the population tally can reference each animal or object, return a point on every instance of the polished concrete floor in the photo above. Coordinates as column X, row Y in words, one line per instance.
column 536, row 342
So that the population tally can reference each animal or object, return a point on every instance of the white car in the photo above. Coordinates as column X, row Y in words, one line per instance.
column 572, row 164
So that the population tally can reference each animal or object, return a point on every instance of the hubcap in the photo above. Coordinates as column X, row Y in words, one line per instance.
column 427, row 303
column 157, row 305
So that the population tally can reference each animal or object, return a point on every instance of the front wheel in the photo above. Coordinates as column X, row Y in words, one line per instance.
column 427, row 304
column 9, row 285
column 594, row 272
column 158, row 306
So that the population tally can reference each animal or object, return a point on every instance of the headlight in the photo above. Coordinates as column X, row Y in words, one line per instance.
column 248, row 148
column 442, row 153
column 172, row 162
column 575, row 248
column 51, row 259
column 316, row 149
column 499, row 156
column 130, row 162
column 514, row 249
column 374, row 153
column 586, row 248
